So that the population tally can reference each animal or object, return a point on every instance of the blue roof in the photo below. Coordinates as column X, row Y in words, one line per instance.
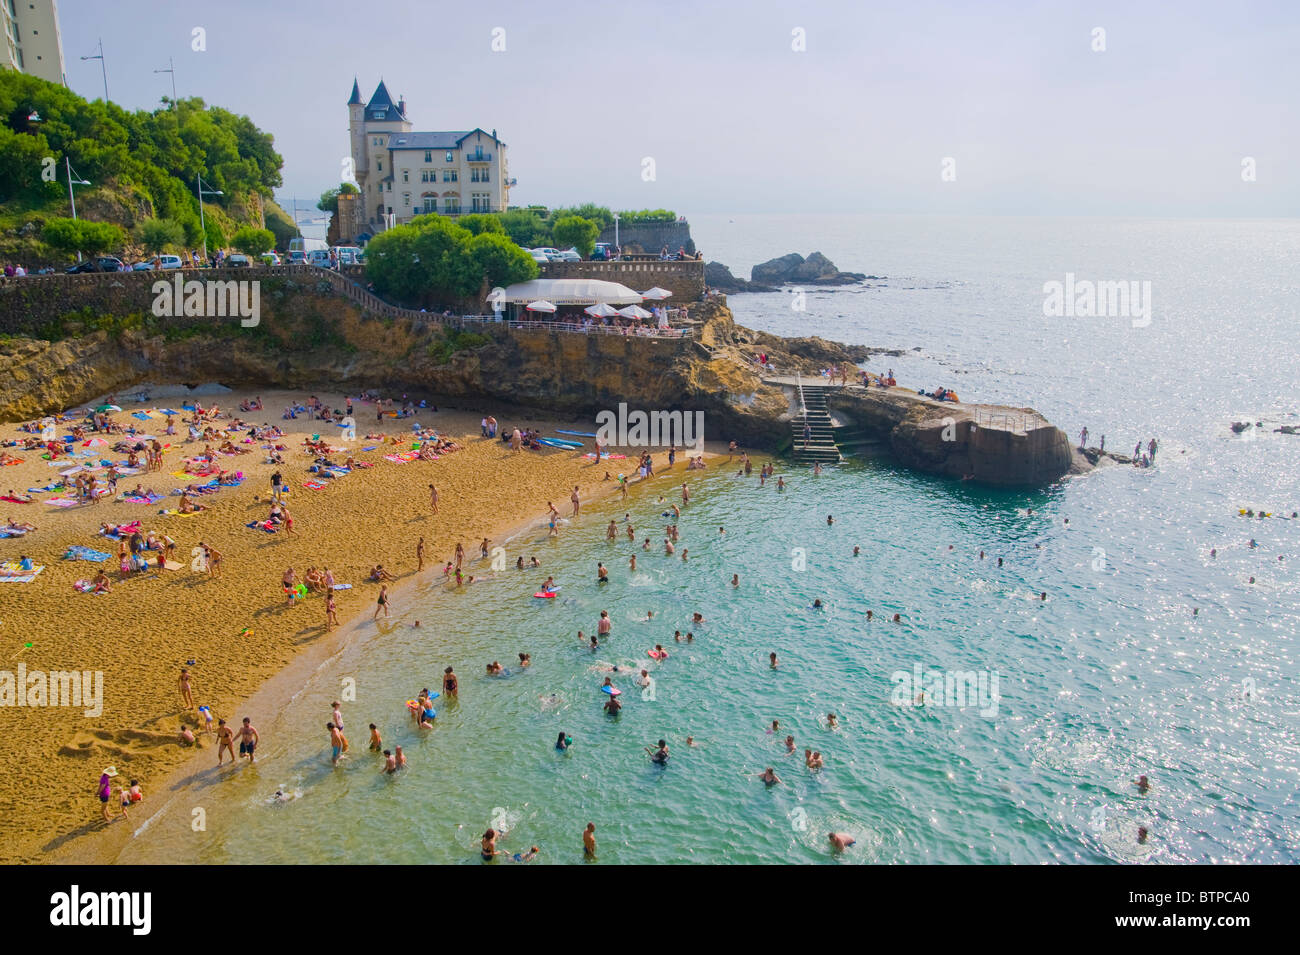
column 381, row 107
column 355, row 98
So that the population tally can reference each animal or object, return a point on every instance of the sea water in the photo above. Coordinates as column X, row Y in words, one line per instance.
column 1149, row 655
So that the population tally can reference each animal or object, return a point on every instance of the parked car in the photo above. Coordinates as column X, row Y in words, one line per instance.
column 168, row 262
column 552, row 255
column 319, row 257
column 237, row 260
column 297, row 257
column 603, row 252
column 141, row 267
column 270, row 258
column 348, row 254
column 539, row 257
column 100, row 263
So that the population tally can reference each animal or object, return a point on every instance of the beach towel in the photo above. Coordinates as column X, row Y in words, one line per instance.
column 342, row 586
column 15, row 500
column 14, row 461
column 11, row 532
column 77, row 552
column 371, row 448
column 313, row 485
column 149, row 499
column 262, row 525
column 57, row 486
column 11, row 569
column 169, row 411
column 85, row 586
column 140, row 415
column 170, row 513
column 62, row 501
column 27, row 579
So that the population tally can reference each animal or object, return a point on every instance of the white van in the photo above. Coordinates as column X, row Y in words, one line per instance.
column 319, row 257
column 348, row 254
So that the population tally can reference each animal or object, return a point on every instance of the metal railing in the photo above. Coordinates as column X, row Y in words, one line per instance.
column 1015, row 422
column 646, row 331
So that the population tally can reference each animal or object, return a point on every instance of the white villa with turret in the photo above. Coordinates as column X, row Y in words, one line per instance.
column 403, row 173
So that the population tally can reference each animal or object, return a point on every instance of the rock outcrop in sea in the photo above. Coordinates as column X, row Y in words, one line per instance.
column 790, row 269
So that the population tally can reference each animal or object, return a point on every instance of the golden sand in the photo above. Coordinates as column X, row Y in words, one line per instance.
column 238, row 626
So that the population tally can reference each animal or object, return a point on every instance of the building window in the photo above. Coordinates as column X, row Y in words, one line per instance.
column 430, row 202
column 450, row 175
column 428, row 155
column 452, row 206
column 449, row 156
column 379, row 165
column 406, row 200
column 406, row 175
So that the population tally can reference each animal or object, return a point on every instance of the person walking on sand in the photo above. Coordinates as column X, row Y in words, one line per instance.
column 433, row 498
column 225, row 741
column 331, row 616
column 186, row 688
column 105, row 791
column 419, row 554
column 382, row 602
column 574, row 498
column 248, row 739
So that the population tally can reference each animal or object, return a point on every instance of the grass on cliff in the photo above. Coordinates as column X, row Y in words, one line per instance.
column 453, row 341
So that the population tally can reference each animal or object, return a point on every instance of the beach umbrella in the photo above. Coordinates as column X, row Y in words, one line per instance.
column 601, row 310
column 634, row 311
column 103, row 408
column 656, row 294
column 95, row 443
column 540, row 306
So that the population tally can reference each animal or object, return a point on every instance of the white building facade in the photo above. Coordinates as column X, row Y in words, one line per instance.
column 31, row 38
column 403, row 173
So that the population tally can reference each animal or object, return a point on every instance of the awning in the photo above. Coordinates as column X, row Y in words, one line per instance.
column 570, row 292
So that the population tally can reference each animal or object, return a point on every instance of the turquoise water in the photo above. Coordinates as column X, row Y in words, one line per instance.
column 1113, row 676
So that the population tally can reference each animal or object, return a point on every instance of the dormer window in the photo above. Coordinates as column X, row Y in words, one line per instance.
column 428, row 155
column 449, row 156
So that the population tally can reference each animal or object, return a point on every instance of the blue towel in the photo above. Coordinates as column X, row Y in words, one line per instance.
column 141, row 415
column 77, row 552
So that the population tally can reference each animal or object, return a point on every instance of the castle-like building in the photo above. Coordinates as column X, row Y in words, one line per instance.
column 403, row 173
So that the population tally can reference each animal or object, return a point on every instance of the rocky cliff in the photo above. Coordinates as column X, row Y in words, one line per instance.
column 310, row 339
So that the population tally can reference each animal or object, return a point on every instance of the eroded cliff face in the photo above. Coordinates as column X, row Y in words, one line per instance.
column 312, row 341
column 308, row 341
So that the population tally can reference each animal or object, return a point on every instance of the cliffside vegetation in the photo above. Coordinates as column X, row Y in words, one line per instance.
column 433, row 260
column 140, row 166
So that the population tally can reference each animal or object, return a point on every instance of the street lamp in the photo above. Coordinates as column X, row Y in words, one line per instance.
column 72, row 199
column 616, row 245
column 100, row 56
column 171, row 68
column 203, row 227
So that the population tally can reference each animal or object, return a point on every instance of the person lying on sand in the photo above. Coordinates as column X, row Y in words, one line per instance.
column 377, row 573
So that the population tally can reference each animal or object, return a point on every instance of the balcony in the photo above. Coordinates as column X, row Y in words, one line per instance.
column 478, row 157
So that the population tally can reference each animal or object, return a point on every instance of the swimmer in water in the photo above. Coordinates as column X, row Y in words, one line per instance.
column 488, row 847
column 525, row 660
column 831, row 721
column 722, row 530
column 780, row 484
column 646, row 545
column 390, row 762
column 817, row 604
column 690, row 637
column 841, row 841
column 769, row 776
column 856, row 550
column 772, row 657
column 528, row 856
column 660, row 651
column 1043, row 595
column 735, row 580
column 1142, row 783
column 869, row 616
column 376, row 744
column 602, row 575
column 631, row 564
column 898, row 618
column 776, row 727
column 690, row 741
column 563, row 741
column 594, row 645
column 789, row 746
column 643, row 679
column 830, row 521
column 659, row 755
column 697, row 617
column 677, row 636
column 1142, row 835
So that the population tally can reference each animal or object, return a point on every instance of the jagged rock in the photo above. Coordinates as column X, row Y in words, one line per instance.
column 795, row 269
column 776, row 271
column 719, row 278
column 1287, row 429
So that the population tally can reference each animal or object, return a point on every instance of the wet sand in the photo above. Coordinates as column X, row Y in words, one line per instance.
column 237, row 628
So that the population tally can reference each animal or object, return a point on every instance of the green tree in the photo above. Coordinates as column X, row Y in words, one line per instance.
column 493, row 259
column 525, row 227
column 329, row 199
column 160, row 235
column 576, row 232
column 216, row 235
column 477, row 223
column 253, row 241
column 80, row 235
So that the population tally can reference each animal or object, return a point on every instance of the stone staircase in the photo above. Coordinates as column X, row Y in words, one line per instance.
column 820, row 445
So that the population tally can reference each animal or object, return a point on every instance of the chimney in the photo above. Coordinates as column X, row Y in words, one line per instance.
column 401, row 104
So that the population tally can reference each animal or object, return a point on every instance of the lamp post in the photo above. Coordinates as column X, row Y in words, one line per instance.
column 67, row 164
column 171, row 68
column 203, row 226
column 100, row 56
column 617, row 248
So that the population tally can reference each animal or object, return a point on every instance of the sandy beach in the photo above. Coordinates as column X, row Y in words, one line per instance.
column 237, row 627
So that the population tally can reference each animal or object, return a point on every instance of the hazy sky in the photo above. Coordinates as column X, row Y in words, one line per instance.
column 736, row 121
